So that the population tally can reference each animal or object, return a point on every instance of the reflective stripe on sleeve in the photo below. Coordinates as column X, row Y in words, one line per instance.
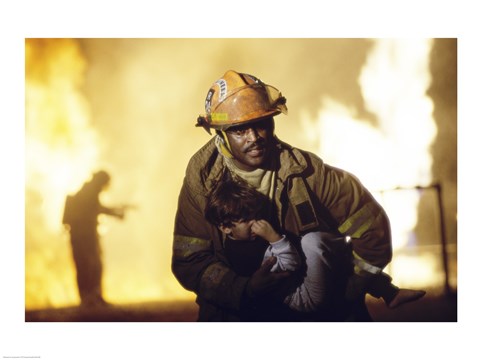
column 362, row 265
column 359, row 222
column 184, row 246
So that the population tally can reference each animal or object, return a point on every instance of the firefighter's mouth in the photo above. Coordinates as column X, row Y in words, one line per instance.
column 255, row 150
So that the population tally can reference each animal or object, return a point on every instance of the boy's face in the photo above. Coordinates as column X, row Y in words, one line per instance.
column 240, row 230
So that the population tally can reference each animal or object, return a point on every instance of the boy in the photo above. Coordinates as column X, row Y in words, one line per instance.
column 239, row 211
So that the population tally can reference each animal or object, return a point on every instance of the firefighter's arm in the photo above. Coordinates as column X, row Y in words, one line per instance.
column 118, row 212
column 196, row 267
column 361, row 278
column 364, row 222
column 194, row 263
column 359, row 217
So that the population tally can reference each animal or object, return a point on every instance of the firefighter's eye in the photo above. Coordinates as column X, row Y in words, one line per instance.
column 239, row 132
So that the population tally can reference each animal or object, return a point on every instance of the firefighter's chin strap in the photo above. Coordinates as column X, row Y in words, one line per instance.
column 223, row 146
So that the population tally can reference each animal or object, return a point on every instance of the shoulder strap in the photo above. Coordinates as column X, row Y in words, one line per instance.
column 310, row 214
column 302, row 205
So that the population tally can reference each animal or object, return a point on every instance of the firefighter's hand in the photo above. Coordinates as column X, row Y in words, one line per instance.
column 263, row 281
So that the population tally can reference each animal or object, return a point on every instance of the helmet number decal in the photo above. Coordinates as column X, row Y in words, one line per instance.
column 208, row 100
column 222, row 84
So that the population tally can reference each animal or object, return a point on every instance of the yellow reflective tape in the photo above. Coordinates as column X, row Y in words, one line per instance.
column 364, row 227
column 184, row 246
column 219, row 117
column 362, row 265
column 359, row 222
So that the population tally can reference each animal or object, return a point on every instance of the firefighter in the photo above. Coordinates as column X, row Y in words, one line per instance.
column 306, row 195
column 81, row 219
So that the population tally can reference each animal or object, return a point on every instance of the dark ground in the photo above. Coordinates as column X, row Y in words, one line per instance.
column 431, row 308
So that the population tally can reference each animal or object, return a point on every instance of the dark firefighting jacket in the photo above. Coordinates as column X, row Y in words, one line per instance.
column 309, row 196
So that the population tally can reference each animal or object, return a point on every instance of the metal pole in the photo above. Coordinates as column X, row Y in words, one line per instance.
column 443, row 237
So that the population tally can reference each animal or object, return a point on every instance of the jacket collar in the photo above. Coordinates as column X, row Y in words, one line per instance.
column 291, row 162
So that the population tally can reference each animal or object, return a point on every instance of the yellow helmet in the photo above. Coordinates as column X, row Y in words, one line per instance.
column 239, row 98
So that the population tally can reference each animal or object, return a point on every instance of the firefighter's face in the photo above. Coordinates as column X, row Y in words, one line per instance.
column 250, row 144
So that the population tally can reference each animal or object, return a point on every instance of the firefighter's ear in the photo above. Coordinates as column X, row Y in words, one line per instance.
column 225, row 229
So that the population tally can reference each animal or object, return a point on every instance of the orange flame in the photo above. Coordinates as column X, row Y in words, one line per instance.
column 61, row 149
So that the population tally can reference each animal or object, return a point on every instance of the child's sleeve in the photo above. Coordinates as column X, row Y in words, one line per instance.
column 287, row 256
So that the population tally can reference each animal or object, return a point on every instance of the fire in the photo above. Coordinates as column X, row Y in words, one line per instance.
column 61, row 149
column 130, row 130
column 392, row 152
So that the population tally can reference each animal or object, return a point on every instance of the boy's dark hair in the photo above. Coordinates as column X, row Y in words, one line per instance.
column 232, row 200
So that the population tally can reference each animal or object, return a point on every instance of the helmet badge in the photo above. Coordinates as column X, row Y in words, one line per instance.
column 222, row 84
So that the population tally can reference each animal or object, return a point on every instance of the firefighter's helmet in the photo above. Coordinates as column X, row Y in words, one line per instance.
column 237, row 99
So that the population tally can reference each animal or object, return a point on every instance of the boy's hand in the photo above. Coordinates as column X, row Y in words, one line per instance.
column 265, row 230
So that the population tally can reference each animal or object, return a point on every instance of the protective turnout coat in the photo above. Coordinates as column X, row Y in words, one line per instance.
column 309, row 196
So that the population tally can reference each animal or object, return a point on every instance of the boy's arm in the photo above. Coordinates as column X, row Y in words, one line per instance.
column 194, row 263
column 287, row 256
column 280, row 247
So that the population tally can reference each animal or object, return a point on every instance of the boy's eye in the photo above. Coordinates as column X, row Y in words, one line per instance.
column 239, row 222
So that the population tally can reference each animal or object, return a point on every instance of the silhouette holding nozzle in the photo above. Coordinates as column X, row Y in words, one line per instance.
column 80, row 217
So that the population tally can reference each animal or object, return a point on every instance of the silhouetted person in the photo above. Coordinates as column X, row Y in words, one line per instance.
column 81, row 216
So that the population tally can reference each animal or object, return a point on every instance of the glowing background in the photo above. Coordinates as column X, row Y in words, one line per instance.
column 383, row 109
